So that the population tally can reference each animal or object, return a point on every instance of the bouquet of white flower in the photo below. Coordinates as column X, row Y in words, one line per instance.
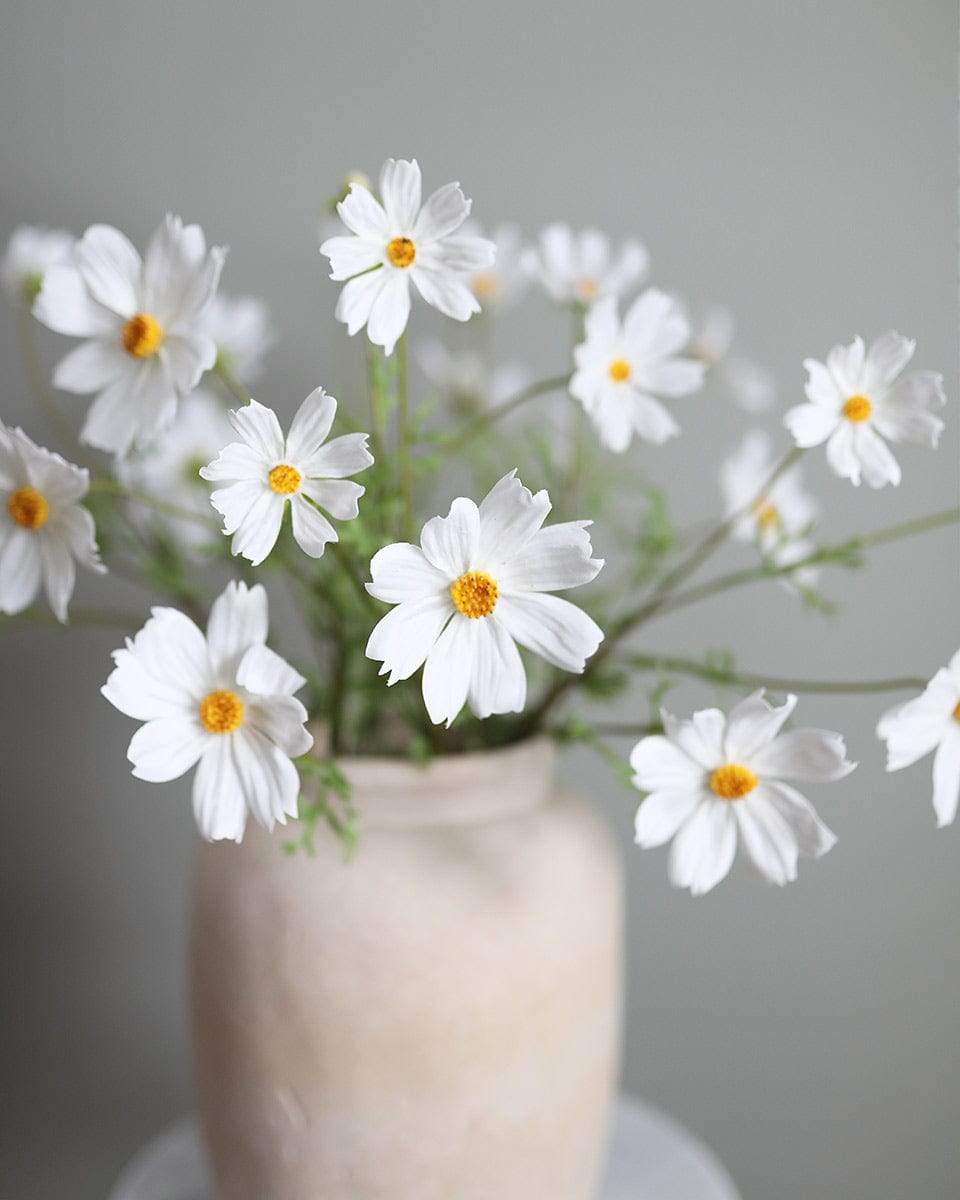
column 162, row 354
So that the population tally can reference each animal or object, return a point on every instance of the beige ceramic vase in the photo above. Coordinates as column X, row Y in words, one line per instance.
column 436, row 1020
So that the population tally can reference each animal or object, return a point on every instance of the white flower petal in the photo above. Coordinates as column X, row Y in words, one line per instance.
column 448, row 671
column 661, row 814
column 280, row 719
column 186, row 357
column 166, row 748
column 510, row 515
column 268, row 779
column 405, row 636
column 390, row 311
column 238, row 620
column 554, row 558
column 660, row 765
column 845, row 364
column 913, row 729
column 886, row 358
column 362, row 215
column 442, row 289
column 311, row 529
column 812, row 836
column 259, row 428
column 879, row 465
column 463, row 253
column 816, row 755
column 344, row 455
column 701, row 737
column 351, row 256
column 445, row 210
column 768, row 839
column 841, row 454
column 263, row 671
column 259, row 526
column 602, row 324
column 132, row 410
column 59, row 570
column 402, row 572
column 163, row 672
column 554, row 628
column 19, row 570
column 180, row 277
column 451, row 543
column 237, row 462
column 91, row 366
column 218, row 799
column 65, row 305
column 651, row 419
column 110, row 267
column 811, row 424
column 311, row 425
column 821, row 388
column 672, row 376
column 946, row 777
column 498, row 682
column 752, row 723
column 357, row 298
column 339, row 497
column 400, row 191
column 655, row 324
column 703, row 850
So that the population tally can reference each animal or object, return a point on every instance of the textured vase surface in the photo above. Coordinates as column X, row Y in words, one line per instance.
column 437, row 1019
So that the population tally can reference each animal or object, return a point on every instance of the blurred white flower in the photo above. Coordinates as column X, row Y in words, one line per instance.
column 477, row 584
column 714, row 778
column 931, row 721
column 622, row 367
column 744, row 381
column 265, row 471
column 467, row 381
column 30, row 253
column 225, row 701
column 399, row 241
column 146, row 349
column 858, row 398
column 504, row 281
column 169, row 469
column 580, row 268
column 242, row 332
column 44, row 530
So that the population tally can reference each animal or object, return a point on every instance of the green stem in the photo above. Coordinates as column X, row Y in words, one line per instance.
column 403, row 427
column 110, row 488
column 78, row 616
column 378, row 410
column 350, row 568
column 749, row 679
column 492, row 415
column 231, row 383
column 38, row 383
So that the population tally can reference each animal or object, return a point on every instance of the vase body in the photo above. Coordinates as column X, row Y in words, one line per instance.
column 439, row 1018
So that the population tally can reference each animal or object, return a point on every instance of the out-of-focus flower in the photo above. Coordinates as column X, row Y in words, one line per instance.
column 743, row 380
column 242, row 332
column 30, row 253
column 504, row 281
column 581, row 268
column 466, row 381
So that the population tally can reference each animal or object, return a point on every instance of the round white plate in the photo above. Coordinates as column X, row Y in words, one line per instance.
column 652, row 1157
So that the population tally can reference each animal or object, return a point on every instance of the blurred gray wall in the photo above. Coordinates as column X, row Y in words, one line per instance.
column 795, row 161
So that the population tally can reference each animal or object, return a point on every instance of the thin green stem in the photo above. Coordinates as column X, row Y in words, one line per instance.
column 38, row 382
column 492, row 415
column 750, row 679
column 77, row 616
column 353, row 574
column 403, row 433
column 231, row 383
column 378, row 411
column 110, row 488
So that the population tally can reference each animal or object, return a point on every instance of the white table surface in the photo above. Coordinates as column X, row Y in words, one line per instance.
column 652, row 1157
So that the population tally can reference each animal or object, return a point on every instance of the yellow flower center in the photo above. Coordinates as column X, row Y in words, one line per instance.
column 285, row 479
column 620, row 370
column 956, row 713
column 733, row 781
column 475, row 594
column 28, row 508
column 221, row 712
column 401, row 252
column 486, row 285
column 588, row 289
column 857, row 408
column 142, row 336
column 768, row 517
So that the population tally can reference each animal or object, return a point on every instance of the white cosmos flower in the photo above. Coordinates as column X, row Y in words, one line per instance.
column 779, row 522
column 931, row 721
column 226, row 701
column 622, row 368
column 402, row 241
column 242, row 332
column 265, row 471
column 30, row 253
column 145, row 348
column 44, row 530
column 858, row 398
column 744, row 381
column 169, row 468
column 714, row 779
column 504, row 281
column 467, row 381
column 580, row 268
column 477, row 584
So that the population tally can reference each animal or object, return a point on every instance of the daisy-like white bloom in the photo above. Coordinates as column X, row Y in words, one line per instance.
column 44, row 530
column 30, row 253
column 860, row 397
column 744, row 381
column 623, row 367
column 931, row 721
column 265, row 471
column 225, row 701
column 580, row 268
column 477, row 584
column 399, row 242
column 714, row 779
column 169, row 468
column 787, row 511
column 502, row 283
column 145, row 348
column 467, row 381
column 242, row 332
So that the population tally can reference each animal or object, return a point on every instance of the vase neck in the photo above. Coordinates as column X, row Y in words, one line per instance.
column 452, row 790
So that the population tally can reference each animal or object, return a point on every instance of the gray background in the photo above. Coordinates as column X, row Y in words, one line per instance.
column 797, row 162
